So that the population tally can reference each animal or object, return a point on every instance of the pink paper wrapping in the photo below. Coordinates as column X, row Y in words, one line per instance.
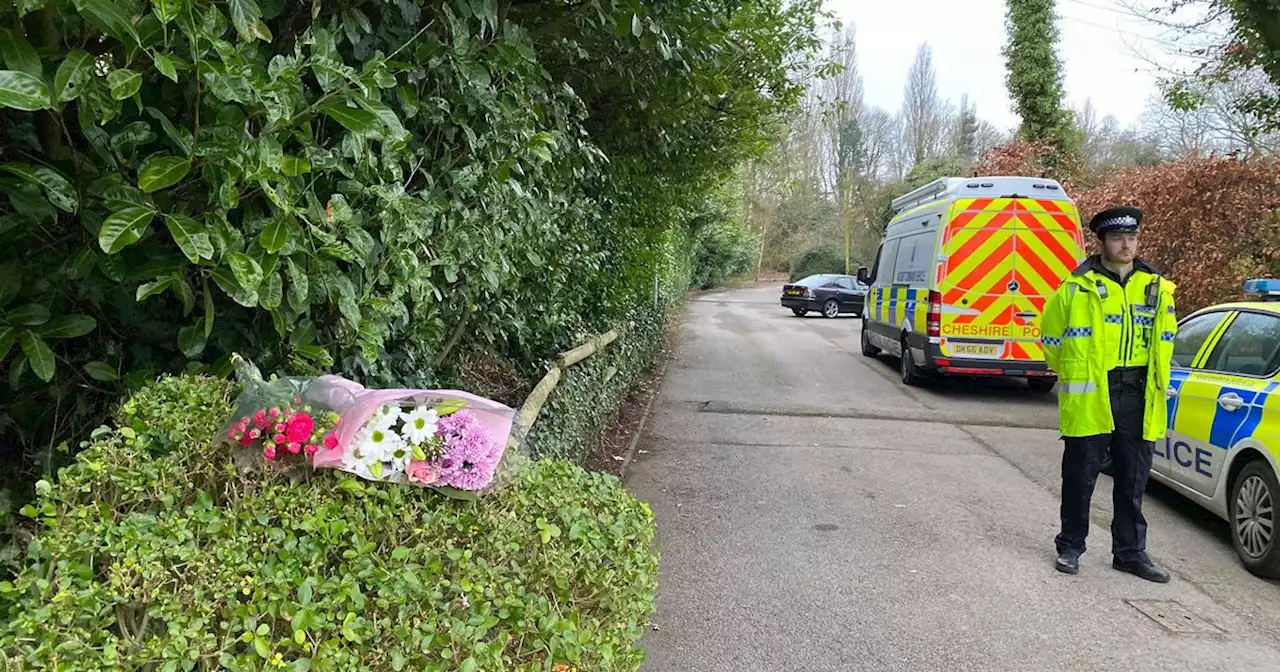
column 356, row 404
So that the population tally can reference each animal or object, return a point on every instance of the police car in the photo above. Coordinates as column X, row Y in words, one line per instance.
column 1222, row 448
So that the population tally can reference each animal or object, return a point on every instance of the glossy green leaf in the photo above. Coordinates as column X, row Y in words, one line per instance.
column 299, row 286
column 30, row 315
column 124, row 228
column 272, row 292
column 179, row 135
column 208, row 311
column 161, row 172
column 124, row 83
column 315, row 353
column 68, row 326
column 23, row 91
column 246, row 17
column 8, row 336
column 18, row 53
column 191, row 340
column 168, row 10
column 16, row 369
column 275, row 235
column 149, row 289
column 165, row 65
column 56, row 187
column 303, row 334
column 74, row 71
column 226, row 280
column 293, row 166
column 39, row 356
column 185, row 294
column 191, row 236
column 109, row 16
column 636, row 27
column 247, row 271
column 101, row 371
column 354, row 119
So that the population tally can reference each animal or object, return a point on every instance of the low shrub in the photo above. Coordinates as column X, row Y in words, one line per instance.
column 155, row 554
column 571, row 423
column 820, row 259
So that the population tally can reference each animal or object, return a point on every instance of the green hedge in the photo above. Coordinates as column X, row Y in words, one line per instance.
column 155, row 554
column 575, row 415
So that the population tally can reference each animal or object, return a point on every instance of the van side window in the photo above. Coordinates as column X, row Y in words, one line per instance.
column 914, row 260
column 888, row 259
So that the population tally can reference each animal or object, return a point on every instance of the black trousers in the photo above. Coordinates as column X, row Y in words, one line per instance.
column 1131, row 466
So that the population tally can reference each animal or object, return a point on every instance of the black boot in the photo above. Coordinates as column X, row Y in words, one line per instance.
column 1143, row 568
column 1068, row 562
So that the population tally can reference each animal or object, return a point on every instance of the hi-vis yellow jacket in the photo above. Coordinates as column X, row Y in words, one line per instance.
column 1089, row 327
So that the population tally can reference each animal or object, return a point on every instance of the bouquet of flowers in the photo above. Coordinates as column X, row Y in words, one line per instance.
column 448, row 440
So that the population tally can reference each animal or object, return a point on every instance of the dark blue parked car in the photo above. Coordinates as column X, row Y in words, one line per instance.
column 829, row 294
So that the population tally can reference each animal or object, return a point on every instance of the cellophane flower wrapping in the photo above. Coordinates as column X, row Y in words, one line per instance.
column 449, row 440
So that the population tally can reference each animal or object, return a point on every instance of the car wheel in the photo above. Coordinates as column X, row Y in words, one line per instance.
column 1253, row 519
column 830, row 309
column 1041, row 385
column 868, row 349
column 911, row 374
column 799, row 312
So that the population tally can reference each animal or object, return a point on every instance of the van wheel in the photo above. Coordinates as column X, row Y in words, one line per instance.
column 868, row 349
column 911, row 374
column 830, row 309
column 1253, row 519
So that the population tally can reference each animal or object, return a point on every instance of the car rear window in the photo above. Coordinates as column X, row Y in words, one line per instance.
column 814, row 281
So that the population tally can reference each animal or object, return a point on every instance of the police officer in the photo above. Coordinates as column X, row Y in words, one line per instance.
column 1108, row 334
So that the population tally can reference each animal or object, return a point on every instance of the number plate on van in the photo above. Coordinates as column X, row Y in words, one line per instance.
column 975, row 349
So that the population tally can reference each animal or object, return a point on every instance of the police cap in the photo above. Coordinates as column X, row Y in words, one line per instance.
column 1122, row 218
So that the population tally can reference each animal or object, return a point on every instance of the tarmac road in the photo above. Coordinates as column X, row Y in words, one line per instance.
column 815, row 514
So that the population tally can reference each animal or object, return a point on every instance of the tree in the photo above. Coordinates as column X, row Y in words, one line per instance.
column 924, row 114
column 964, row 131
column 1034, row 75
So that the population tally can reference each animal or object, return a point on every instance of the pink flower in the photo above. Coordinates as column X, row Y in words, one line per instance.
column 422, row 473
column 260, row 419
column 299, row 427
column 246, row 440
column 269, row 452
column 331, row 442
column 471, row 454
column 279, row 438
column 254, row 433
column 311, row 449
column 295, row 448
column 279, row 428
column 274, row 413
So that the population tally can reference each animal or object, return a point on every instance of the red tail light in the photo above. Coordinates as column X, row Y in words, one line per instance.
column 933, row 323
column 808, row 293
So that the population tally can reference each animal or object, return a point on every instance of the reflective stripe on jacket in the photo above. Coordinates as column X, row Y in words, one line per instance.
column 1082, row 343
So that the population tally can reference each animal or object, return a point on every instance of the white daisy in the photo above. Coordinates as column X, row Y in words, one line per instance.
column 378, row 444
column 420, row 425
column 385, row 417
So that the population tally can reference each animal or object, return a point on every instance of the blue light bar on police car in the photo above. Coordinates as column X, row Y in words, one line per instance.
column 1267, row 288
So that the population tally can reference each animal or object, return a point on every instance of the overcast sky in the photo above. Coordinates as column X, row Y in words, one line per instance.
column 1102, row 47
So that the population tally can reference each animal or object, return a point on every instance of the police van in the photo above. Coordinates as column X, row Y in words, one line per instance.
column 963, row 274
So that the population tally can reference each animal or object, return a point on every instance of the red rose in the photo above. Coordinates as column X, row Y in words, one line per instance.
column 299, row 428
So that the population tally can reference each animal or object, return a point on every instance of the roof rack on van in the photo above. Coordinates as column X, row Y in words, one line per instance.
column 920, row 195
